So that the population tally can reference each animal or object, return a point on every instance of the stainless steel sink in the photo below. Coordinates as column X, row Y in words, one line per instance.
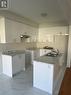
column 51, row 55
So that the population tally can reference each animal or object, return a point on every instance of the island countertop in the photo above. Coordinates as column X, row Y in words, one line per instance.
column 49, row 59
column 52, row 69
column 13, row 53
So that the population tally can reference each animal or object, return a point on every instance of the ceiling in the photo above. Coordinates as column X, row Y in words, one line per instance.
column 57, row 10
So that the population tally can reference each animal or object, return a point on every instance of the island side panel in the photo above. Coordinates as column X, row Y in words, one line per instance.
column 43, row 76
column 59, row 71
column 7, row 65
column 18, row 63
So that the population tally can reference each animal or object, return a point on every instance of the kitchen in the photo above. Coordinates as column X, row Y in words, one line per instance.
column 13, row 27
column 34, row 46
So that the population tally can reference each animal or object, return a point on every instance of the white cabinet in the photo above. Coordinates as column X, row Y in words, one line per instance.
column 43, row 76
column 14, row 29
column 47, row 76
column 13, row 64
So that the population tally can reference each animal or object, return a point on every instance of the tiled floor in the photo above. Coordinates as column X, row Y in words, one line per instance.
column 21, row 84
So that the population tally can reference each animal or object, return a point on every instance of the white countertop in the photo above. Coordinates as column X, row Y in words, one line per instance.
column 13, row 53
column 48, row 59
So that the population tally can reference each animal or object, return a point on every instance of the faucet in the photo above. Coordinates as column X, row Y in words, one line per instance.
column 56, row 51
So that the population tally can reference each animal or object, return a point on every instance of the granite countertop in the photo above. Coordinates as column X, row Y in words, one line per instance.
column 49, row 59
column 13, row 53
column 33, row 48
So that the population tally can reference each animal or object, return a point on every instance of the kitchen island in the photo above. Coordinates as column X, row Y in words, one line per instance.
column 13, row 62
column 48, row 73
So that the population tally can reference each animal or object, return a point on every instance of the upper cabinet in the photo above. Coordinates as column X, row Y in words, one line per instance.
column 10, row 31
column 14, row 30
column 48, row 34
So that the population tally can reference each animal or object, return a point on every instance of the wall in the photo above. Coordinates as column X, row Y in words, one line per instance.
column 69, row 49
column 10, row 32
column 51, row 37
column 2, row 30
column 47, row 35
column 16, row 46
column 15, row 29
column 2, row 37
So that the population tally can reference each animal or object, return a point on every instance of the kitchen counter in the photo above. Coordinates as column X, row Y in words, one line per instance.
column 37, row 52
column 34, row 48
column 49, row 59
column 13, row 52
column 48, row 73
column 13, row 62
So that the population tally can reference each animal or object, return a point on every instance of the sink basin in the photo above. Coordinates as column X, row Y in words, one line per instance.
column 52, row 54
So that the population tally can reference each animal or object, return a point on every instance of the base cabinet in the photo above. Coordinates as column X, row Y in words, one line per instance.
column 43, row 76
column 46, row 79
column 13, row 64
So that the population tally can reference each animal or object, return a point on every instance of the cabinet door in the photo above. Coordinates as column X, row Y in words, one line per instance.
column 7, row 65
column 43, row 76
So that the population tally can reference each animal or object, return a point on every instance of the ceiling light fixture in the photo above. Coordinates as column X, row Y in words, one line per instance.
column 44, row 14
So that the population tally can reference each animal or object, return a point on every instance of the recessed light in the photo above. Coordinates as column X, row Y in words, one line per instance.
column 44, row 14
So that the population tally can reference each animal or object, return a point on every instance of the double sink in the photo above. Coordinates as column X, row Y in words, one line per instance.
column 53, row 54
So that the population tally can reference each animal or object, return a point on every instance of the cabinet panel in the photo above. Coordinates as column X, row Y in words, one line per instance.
column 14, row 30
column 18, row 63
column 43, row 76
column 7, row 65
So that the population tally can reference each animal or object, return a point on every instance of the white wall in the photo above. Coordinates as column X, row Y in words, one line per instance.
column 2, row 30
column 14, row 29
column 2, row 37
column 69, row 49
column 10, row 32
column 49, row 36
